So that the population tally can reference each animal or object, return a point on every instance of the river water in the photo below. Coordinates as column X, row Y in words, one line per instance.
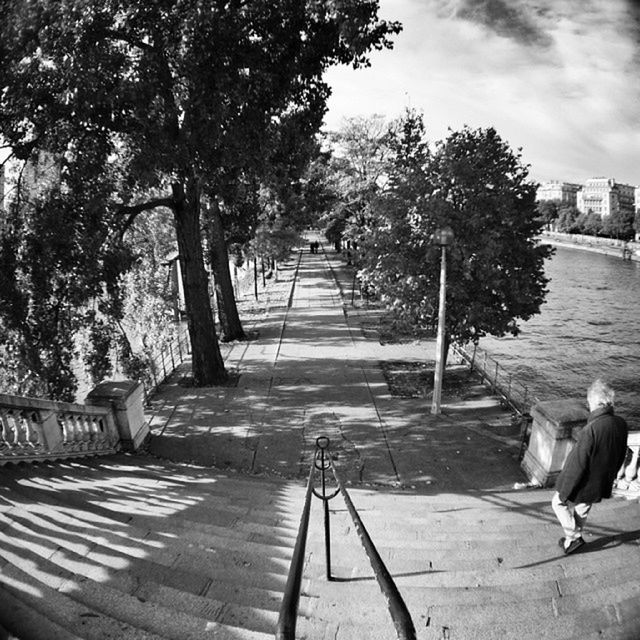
column 588, row 327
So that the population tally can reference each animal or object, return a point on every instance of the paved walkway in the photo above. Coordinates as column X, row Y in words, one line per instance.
column 313, row 368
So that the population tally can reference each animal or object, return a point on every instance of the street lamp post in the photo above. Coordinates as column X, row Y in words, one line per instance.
column 443, row 238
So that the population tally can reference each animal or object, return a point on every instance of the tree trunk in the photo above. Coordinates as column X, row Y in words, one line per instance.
column 207, row 363
column 230, row 324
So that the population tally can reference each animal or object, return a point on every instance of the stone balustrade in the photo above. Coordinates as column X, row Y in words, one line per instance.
column 627, row 484
column 33, row 429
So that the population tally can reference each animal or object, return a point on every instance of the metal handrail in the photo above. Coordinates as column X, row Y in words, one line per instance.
column 397, row 607
column 286, row 627
column 287, row 618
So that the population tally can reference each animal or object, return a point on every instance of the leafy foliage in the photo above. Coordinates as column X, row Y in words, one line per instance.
column 56, row 272
column 548, row 211
column 619, row 225
column 181, row 99
column 567, row 219
column 356, row 174
column 473, row 183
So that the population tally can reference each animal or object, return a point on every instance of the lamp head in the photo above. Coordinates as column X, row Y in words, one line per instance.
column 443, row 237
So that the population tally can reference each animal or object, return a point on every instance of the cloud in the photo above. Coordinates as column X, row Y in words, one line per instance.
column 633, row 27
column 558, row 78
column 507, row 18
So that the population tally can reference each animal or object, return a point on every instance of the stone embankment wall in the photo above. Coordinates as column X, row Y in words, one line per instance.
column 608, row 246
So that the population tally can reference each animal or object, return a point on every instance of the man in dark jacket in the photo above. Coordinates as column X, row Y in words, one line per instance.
column 591, row 466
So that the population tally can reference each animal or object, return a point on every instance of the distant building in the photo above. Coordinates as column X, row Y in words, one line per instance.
column 605, row 196
column 564, row 192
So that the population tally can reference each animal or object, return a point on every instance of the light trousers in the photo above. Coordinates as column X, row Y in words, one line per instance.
column 571, row 516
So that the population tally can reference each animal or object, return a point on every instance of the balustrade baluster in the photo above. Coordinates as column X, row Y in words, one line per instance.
column 68, row 429
column 628, row 473
column 33, row 423
column 84, row 422
column 6, row 430
column 74, row 432
column 97, row 437
column 631, row 470
column 22, row 429
column 82, row 437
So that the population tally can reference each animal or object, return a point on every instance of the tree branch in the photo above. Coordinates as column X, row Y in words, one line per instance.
column 132, row 211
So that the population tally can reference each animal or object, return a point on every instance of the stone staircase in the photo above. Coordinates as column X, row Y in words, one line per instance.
column 131, row 547
column 124, row 549
column 486, row 566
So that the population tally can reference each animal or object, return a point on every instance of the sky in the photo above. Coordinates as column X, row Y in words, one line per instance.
column 559, row 79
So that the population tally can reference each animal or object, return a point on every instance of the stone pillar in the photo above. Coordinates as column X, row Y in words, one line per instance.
column 126, row 399
column 556, row 424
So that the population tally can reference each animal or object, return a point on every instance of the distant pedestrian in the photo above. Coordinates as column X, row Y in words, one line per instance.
column 591, row 467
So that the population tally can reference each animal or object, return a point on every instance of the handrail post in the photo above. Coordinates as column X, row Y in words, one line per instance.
column 322, row 444
column 286, row 626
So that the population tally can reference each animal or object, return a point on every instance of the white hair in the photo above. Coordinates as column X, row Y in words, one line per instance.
column 600, row 394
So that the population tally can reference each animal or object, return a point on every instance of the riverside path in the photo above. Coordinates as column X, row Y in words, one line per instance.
column 313, row 367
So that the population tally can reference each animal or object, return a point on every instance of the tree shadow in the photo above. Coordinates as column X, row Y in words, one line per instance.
column 124, row 543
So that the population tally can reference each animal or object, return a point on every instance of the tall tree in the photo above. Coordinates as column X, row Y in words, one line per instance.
column 619, row 224
column 567, row 219
column 589, row 223
column 175, row 91
column 548, row 211
column 475, row 184
column 357, row 172
column 243, row 209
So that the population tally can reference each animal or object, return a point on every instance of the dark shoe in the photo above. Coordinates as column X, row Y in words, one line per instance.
column 574, row 546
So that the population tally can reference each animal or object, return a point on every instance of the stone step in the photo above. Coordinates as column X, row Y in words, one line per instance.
column 628, row 629
column 135, row 473
column 132, row 599
column 96, row 561
column 472, row 557
column 56, row 524
column 280, row 511
column 216, row 549
column 344, row 629
column 509, row 523
column 446, row 501
column 23, row 620
column 48, row 604
column 473, row 513
column 227, row 518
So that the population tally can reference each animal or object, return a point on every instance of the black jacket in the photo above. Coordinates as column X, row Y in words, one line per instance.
column 594, row 461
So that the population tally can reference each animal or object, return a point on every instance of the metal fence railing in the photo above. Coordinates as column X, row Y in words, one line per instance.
column 516, row 395
column 166, row 361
